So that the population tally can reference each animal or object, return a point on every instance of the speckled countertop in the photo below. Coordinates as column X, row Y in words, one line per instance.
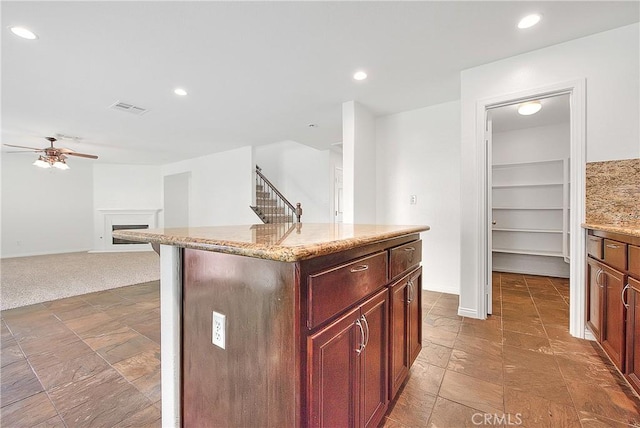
column 624, row 229
column 287, row 243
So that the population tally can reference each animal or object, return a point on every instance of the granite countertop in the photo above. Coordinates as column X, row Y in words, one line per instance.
column 282, row 242
column 632, row 230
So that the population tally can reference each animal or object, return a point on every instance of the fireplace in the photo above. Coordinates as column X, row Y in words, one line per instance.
column 117, row 241
column 115, row 219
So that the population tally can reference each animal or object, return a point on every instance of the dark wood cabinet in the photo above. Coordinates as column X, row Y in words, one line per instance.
column 612, row 334
column 348, row 367
column 633, row 334
column 595, row 297
column 613, row 298
column 405, row 327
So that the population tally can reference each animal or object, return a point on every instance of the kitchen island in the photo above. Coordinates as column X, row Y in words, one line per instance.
column 313, row 324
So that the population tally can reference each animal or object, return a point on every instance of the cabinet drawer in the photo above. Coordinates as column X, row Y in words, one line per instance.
column 405, row 257
column 634, row 261
column 333, row 290
column 594, row 247
column 615, row 254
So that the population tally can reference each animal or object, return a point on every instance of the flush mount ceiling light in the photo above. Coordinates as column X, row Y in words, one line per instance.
column 529, row 21
column 24, row 33
column 360, row 75
column 529, row 108
column 180, row 91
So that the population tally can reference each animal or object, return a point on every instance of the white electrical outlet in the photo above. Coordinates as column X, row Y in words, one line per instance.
column 413, row 199
column 218, row 333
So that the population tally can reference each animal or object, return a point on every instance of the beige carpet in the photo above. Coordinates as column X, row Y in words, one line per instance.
column 28, row 280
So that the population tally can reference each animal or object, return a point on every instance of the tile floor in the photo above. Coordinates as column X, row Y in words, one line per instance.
column 94, row 360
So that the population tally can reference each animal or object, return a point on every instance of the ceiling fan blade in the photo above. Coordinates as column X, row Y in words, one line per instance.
column 82, row 155
column 24, row 147
column 20, row 151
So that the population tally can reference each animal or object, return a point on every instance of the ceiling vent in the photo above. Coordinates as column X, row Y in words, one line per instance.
column 129, row 108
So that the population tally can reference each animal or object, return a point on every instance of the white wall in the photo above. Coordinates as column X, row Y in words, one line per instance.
column 45, row 211
column 359, row 160
column 123, row 187
column 221, row 186
column 532, row 144
column 609, row 62
column 418, row 153
column 302, row 174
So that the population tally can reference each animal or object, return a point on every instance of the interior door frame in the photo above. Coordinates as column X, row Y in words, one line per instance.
column 576, row 90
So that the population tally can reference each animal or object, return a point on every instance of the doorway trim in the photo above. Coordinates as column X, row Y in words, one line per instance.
column 576, row 90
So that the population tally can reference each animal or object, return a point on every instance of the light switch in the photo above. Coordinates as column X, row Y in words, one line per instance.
column 413, row 199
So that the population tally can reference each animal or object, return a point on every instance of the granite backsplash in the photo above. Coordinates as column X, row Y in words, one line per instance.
column 613, row 193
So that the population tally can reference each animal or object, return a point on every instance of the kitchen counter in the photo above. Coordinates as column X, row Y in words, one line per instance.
column 286, row 243
column 282, row 291
column 631, row 230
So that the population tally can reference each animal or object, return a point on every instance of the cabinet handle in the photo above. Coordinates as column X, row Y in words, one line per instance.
column 600, row 272
column 359, row 268
column 626, row 305
column 409, row 284
column 361, row 348
column 614, row 246
column 411, row 251
column 366, row 324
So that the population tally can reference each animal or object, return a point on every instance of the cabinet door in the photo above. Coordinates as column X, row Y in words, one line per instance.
column 633, row 334
column 613, row 322
column 414, row 317
column 595, row 291
column 399, row 335
column 374, row 361
column 334, row 369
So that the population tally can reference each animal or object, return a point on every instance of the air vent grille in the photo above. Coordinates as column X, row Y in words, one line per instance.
column 129, row 108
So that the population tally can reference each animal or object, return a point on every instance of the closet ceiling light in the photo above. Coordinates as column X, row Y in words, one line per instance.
column 24, row 33
column 180, row 91
column 532, row 107
column 529, row 21
column 360, row 75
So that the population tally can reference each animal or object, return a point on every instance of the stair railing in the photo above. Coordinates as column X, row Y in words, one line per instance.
column 279, row 207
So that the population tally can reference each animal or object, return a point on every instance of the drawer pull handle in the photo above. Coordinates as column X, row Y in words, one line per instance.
column 362, row 344
column 615, row 247
column 410, row 249
column 359, row 268
column 626, row 305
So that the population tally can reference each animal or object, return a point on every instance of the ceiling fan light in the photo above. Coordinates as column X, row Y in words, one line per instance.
column 42, row 163
column 61, row 164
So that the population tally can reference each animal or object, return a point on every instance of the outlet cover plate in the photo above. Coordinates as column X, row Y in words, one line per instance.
column 218, row 329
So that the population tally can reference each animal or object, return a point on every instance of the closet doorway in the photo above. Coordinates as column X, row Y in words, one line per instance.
column 529, row 187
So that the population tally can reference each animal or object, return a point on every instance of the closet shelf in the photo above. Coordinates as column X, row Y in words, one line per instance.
column 528, row 252
column 512, row 186
column 528, row 208
column 520, row 164
column 502, row 229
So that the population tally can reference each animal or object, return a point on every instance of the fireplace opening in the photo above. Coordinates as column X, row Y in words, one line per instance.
column 116, row 241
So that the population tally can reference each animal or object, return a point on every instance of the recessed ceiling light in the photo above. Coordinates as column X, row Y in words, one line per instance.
column 529, row 108
column 24, row 33
column 360, row 75
column 529, row 21
column 180, row 91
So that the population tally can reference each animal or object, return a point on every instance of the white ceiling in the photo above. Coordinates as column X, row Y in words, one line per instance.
column 256, row 72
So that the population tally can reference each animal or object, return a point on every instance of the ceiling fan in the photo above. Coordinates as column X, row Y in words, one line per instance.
column 53, row 156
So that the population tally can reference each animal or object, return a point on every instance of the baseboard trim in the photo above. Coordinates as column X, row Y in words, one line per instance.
column 45, row 253
column 469, row 313
column 529, row 272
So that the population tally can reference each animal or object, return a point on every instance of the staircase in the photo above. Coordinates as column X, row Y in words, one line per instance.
column 271, row 206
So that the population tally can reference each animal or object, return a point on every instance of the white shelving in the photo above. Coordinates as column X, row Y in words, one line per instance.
column 531, row 214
